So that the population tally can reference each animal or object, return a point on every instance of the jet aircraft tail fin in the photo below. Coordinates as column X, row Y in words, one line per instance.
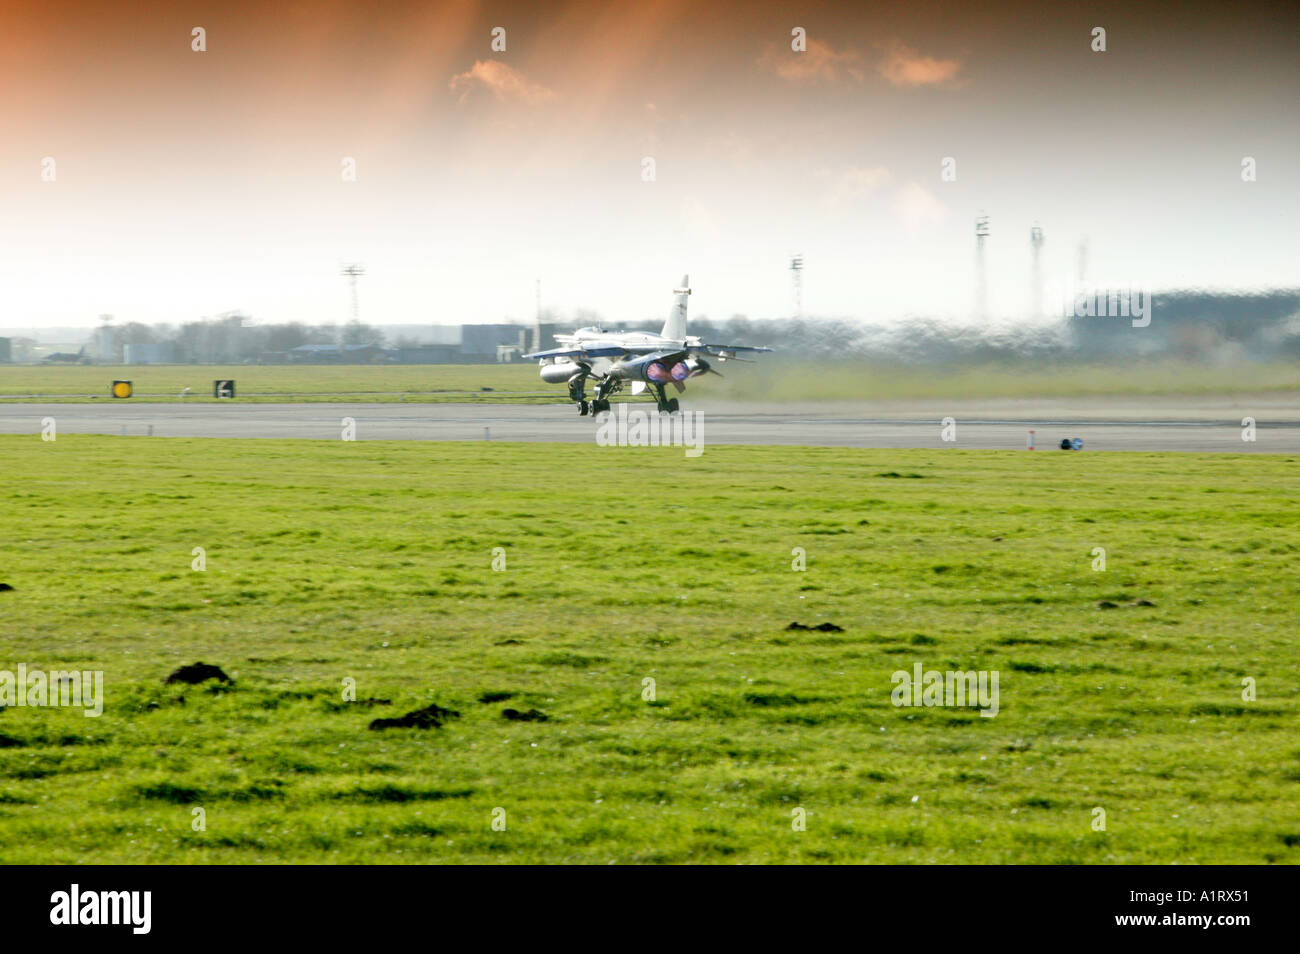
column 675, row 326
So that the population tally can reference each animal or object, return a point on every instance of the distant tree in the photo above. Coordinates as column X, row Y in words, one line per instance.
column 286, row 337
column 22, row 349
column 359, row 333
column 738, row 328
column 133, row 333
column 701, row 327
column 187, row 342
column 252, row 342
column 327, row 333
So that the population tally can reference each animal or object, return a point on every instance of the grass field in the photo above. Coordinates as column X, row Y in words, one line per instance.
column 772, row 378
column 283, row 383
column 330, row 561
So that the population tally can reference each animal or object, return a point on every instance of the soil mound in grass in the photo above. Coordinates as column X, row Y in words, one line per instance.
column 819, row 628
column 430, row 717
column 198, row 672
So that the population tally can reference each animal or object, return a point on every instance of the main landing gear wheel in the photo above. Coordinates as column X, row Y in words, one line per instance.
column 598, row 406
column 673, row 406
column 577, row 391
column 583, row 408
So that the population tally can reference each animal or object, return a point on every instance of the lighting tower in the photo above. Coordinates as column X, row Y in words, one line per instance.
column 537, row 319
column 981, row 279
column 1036, row 246
column 352, row 271
column 104, row 339
column 796, row 279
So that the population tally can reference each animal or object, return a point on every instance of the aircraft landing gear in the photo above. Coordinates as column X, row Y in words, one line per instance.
column 604, row 388
column 576, row 390
column 665, row 404
column 583, row 408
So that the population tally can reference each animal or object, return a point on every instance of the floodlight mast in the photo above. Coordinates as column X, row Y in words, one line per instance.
column 1036, row 246
column 981, row 277
column 796, row 281
column 352, row 271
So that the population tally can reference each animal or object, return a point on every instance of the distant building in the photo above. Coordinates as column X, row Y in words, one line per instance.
column 334, row 354
column 428, row 354
column 442, row 335
column 426, row 344
column 315, row 354
column 103, row 344
column 160, row 353
column 481, row 344
column 543, row 335
column 366, row 354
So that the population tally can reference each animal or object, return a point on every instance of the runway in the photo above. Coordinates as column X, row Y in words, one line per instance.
column 1201, row 424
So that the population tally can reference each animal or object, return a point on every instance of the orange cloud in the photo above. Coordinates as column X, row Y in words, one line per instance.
column 903, row 66
column 858, row 182
column 819, row 63
column 848, row 185
column 505, row 82
column 917, row 208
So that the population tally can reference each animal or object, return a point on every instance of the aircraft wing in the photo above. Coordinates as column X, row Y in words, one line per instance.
column 609, row 351
column 727, row 351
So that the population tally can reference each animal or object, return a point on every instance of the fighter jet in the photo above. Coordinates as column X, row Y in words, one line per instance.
column 642, row 359
column 65, row 357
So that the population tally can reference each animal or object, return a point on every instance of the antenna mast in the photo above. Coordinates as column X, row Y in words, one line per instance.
column 352, row 271
column 796, row 280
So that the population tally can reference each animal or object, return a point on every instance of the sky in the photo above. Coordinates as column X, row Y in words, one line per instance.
column 144, row 179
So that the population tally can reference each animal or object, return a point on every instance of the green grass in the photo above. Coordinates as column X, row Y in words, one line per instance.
column 371, row 561
column 771, row 377
column 778, row 380
column 425, row 383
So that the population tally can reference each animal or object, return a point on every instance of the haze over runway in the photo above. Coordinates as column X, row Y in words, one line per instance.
column 1128, row 424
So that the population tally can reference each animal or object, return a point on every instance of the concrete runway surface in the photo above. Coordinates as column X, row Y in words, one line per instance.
column 1133, row 424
